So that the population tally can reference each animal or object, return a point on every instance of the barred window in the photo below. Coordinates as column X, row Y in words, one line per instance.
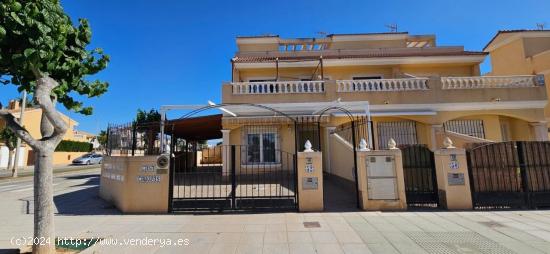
column 403, row 132
column 472, row 128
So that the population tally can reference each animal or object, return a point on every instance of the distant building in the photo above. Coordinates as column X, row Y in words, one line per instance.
column 31, row 122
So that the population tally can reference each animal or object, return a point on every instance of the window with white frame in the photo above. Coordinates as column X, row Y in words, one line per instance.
column 262, row 145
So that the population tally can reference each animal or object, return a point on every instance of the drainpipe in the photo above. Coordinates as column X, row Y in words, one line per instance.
column 322, row 71
column 277, row 69
column 162, row 119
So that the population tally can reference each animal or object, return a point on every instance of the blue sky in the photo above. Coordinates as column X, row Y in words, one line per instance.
column 177, row 52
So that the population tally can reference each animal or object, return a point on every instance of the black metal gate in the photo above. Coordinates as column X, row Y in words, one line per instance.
column 252, row 179
column 419, row 173
column 510, row 174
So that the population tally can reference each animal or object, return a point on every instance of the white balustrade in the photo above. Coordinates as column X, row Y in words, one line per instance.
column 382, row 85
column 488, row 82
column 278, row 87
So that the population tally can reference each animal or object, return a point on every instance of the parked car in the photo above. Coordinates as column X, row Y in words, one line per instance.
column 88, row 159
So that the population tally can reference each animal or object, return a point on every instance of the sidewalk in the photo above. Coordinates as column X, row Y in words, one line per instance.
column 29, row 170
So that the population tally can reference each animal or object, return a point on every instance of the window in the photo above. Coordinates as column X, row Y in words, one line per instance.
column 403, row 132
column 262, row 145
column 472, row 128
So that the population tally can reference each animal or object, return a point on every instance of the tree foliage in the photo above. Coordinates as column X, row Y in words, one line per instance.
column 38, row 39
column 74, row 146
column 147, row 117
column 102, row 138
column 8, row 137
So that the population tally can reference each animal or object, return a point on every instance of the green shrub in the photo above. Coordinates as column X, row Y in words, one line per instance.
column 74, row 146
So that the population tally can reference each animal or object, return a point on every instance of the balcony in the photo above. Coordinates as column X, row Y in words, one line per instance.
column 382, row 85
column 278, row 87
column 489, row 82
column 426, row 91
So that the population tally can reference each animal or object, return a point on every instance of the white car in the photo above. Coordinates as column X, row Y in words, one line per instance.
column 88, row 159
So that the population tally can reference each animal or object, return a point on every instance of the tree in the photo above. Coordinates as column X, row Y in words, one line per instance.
column 10, row 140
column 44, row 53
column 102, row 139
column 143, row 116
column 147, row 124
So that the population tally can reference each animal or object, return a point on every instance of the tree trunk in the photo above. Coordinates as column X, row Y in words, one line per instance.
column 52, row 128
column 10, row 159
column 44, row 231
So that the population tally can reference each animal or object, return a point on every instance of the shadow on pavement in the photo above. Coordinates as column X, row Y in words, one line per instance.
column 339, row 194
column 85, row 200
column 9, row 251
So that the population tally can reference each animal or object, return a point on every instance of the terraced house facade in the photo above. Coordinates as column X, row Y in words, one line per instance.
column 415, row 91
column 372, row 113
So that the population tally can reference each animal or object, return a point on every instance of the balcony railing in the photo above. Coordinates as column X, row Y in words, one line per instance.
column 382, row 85
column 488, row 82
column 278, row 87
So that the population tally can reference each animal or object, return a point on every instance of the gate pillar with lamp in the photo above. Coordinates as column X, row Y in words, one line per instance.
column 310, row 180
column 381, row 179
column 453, row 181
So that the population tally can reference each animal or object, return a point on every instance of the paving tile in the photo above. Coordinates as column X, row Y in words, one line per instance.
column 275, row 237
column 372, row 237
column 250, row 248
column 254, row 228
column 355, row 248
column 252, row 237
column 229, row 237
column 301, row 248
column 275, row 248
column 299, row 237
column 347, row 237
column 323, row 237
column 275, row 227
column 296, row 227
column 223, row 248
column 385, row 248
column 328, row 248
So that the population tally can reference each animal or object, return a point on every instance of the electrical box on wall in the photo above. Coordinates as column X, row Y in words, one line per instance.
column 381, row 177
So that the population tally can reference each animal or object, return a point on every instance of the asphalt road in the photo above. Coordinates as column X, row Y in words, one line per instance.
column 23, row 184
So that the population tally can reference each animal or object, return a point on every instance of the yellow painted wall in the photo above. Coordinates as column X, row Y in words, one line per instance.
column 348, row 72
column 64, row 158
column 341, row 159
column 510, row 60
column 522, row 56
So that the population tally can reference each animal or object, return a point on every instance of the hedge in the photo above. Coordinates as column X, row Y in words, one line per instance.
column 74, row 146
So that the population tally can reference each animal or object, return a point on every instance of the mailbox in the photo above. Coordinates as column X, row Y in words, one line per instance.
column 381, row 178
column 310, row 183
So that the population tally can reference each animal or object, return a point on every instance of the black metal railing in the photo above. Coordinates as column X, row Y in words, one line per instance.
column 472, row 128
column 359, row 127
column 510, row 174
column 403, row 132
column 200, row 183
column 133, row 139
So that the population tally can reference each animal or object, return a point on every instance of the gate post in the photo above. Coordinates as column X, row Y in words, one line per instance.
column 453, row 179
column 310, row 180
column 381, row 180
column 225, row 153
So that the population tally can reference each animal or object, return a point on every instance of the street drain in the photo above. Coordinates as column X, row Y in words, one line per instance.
column 312, row 224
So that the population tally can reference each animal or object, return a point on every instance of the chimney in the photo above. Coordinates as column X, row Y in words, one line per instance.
column 14, row 105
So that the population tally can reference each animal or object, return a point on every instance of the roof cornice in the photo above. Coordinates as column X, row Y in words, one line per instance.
column 517, row 35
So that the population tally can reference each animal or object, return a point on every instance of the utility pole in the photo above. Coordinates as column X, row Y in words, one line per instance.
column 17, row 153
